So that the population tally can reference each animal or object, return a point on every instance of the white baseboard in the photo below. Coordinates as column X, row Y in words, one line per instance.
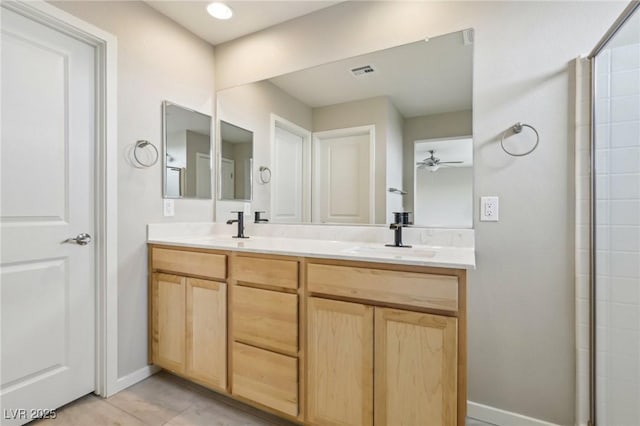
column 500, row 417
column 133, row 378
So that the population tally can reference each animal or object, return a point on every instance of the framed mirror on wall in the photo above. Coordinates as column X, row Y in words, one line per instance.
column 235, row 168
column 345, row 141
column 186, row 140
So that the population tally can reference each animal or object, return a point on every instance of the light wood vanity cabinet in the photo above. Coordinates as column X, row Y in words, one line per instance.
column 264, row 330
column 316, row 341
column 189, row 316
column 414, row 378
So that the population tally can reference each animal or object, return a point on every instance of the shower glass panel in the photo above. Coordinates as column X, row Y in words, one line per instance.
column 617, row 227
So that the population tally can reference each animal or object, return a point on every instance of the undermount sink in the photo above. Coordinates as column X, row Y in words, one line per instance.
column 390, row 251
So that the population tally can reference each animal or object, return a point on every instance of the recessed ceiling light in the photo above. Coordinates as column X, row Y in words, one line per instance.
column 220, row 10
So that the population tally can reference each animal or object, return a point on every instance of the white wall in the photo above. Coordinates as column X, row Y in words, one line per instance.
column 157, row 61
column 521, row 312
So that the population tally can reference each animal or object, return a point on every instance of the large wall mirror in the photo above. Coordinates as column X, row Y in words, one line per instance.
column 187, row 152
column 355, row 140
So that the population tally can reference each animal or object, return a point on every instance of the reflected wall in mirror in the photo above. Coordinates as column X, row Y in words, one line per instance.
column 236, row 162
column 444, row 178
column 338, row 136
column 187, row 149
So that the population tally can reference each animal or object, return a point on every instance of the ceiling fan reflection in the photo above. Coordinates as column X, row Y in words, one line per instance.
column 432, row 163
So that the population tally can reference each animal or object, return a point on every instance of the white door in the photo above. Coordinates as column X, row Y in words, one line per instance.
column 342, row 179
column 203, row 175
column 287, row 192
column 228, row 179
column 47, row 151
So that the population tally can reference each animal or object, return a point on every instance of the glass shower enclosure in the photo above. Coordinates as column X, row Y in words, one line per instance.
column 615, row 225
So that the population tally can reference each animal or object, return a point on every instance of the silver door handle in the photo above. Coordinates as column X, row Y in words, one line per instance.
column 81, row 239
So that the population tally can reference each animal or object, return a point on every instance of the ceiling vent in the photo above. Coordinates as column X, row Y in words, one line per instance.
column 362, row 71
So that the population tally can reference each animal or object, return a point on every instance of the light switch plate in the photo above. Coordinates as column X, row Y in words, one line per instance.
column 489, row 209
column 169, row 207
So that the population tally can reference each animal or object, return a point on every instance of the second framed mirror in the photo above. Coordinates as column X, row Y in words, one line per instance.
column 235, row 171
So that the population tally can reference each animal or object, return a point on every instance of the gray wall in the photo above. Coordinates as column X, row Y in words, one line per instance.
column 157, row 60
column 445, row 125
column 445, row 198
column 521, row 314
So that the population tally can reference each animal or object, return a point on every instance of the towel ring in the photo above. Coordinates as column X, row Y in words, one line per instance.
column 517, row 128
column 262, row 170
column 140, row 145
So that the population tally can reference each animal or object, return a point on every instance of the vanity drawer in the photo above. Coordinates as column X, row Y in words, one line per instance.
column 394, row 287
column 189, row 262
column 270, row 272
column 265, row 318
column 265, row 377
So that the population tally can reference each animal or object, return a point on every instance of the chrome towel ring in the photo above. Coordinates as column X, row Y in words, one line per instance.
column 264, row 175
column 517, row 128
column 141, row 144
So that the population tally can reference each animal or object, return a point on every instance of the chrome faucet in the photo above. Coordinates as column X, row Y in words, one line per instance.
column 240, row 221
column 257, row 218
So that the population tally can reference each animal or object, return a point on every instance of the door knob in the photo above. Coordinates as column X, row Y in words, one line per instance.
column 80, row 239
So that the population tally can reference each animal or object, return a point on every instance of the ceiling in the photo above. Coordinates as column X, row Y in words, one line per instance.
column 420, row 78
column 248, row 16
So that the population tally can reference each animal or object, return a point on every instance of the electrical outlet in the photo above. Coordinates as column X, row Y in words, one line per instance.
column 489, row 209
column 247, row 209
column 168, row 207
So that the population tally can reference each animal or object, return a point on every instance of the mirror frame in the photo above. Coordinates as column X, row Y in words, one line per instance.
column 219, row 122
column 166, row 104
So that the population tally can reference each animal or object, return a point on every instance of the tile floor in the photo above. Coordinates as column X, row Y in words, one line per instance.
column 164, row 399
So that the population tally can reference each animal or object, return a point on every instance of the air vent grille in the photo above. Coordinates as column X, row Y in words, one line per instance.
column 362, row 71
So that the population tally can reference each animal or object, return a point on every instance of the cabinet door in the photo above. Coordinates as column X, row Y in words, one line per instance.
column 207, row 332
column 415, row 368
column 339, row 363
column 168, row 321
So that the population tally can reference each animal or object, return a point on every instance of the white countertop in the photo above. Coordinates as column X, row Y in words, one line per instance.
column 419, row 255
